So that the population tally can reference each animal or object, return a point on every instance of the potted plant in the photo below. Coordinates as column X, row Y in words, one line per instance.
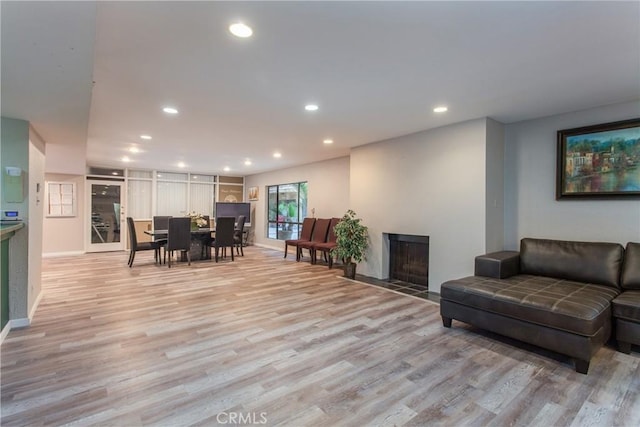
column 351, row 242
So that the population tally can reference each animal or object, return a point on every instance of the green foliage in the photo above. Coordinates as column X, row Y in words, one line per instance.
column 293, row 210
column 351, row 238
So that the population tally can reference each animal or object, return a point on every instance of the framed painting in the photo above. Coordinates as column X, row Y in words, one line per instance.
column 601, row 161
column 253, row 194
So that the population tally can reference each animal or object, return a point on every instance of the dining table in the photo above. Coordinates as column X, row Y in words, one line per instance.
column 199, row 238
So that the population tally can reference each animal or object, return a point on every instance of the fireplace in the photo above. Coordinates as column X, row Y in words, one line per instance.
column 409, row 258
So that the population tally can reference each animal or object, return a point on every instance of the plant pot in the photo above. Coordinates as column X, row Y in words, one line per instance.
column 350, row 270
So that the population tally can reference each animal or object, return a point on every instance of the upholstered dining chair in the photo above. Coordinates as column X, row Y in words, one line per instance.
column 305, row 235
column 161, row 223
column 135, row 246
column 326, row 247
column 179, row 237
column 320, row 232
column 205, row 239
column 225, row 231
column 237, row 236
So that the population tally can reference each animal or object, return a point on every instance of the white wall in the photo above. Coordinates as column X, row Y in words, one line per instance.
column 66, row 235
column 430, row 183
column 328, row 193
column 530, row 169
column 66, row 159
column 494, row 227
column 36, row 216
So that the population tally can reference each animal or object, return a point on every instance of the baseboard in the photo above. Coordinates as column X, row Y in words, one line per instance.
column 35, row 306
column 5, row 332
column 13, row 324
column 262, row 245
column 61, row 254
column 20, row 323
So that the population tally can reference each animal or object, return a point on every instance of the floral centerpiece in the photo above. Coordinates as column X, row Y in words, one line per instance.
column 197, row 220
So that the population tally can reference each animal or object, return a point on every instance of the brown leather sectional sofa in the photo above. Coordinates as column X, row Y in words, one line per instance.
column 626, row 307
column 559, row 295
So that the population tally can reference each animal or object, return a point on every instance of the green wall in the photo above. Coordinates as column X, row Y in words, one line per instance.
column 14, row 151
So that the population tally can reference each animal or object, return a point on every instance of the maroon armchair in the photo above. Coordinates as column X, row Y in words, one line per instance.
column 320, row 231
column 305, row 235
column 327, row 246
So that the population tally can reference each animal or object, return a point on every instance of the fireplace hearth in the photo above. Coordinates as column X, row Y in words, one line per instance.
column 409, row 259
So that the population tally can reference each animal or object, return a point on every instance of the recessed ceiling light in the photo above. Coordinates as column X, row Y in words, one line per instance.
column 328, row 141
column 441, row 109
column 126, row 159
column 181, row 164
column 311, row 107
column 145, row 136
column 134, row 150
column 159, row 176
column 277, row 155
column 114, row 173
column 247, row 162
column 194, row 176
column 240, row 30
column 226, row 169
column 170, row 110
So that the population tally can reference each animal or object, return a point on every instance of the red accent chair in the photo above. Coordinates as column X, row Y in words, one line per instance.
column 320, row 232
column 305, row 235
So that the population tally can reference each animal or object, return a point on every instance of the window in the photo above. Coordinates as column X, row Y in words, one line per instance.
column 171, row 190
column 287, row 207
column 202, row 194
column 151, row 192
column 139, row 189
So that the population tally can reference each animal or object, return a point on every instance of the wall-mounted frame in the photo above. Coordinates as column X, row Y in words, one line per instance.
column 253, row 194
column 599, row 162
column 61, row 199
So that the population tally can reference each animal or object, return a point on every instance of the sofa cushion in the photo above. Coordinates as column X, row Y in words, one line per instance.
column 631, row 268
column 627, row 306
column 589, row 262
column 575, row 307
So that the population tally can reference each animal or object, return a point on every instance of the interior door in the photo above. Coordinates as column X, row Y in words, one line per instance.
column 106, row 216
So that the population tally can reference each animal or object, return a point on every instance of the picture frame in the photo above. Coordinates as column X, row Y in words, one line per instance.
column 253, row 194
column 599, row 162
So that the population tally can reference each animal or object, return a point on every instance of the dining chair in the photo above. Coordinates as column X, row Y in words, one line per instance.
column 320, row 231
column 225, row 231
column 238, row 235
column 136, row 246
column 205, row 239
column 179, row 237
column 305, row 235
column 327, row 246
column 161, row 223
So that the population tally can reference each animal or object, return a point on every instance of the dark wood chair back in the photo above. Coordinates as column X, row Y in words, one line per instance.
column 320, row 230
column 133, row 238
column 135, row 246
column 308, row 224
column 179, row 236
column 331, row 238
column 225, row 233
column 161, row 222
column 238, row 235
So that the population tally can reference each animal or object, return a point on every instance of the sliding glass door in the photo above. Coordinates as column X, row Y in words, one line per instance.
column 106, row 220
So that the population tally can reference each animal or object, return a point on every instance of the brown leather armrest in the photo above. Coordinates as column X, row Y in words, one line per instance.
column 498, row 265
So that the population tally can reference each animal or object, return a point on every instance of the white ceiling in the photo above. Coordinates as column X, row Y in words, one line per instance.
column 376, row 69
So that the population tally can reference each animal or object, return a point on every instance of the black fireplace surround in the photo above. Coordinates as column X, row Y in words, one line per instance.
column 409, row 258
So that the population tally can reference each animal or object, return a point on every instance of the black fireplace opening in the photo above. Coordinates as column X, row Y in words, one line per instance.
column 409, row 260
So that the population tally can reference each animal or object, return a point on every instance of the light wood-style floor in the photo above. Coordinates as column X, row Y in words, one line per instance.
column 269, row 341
